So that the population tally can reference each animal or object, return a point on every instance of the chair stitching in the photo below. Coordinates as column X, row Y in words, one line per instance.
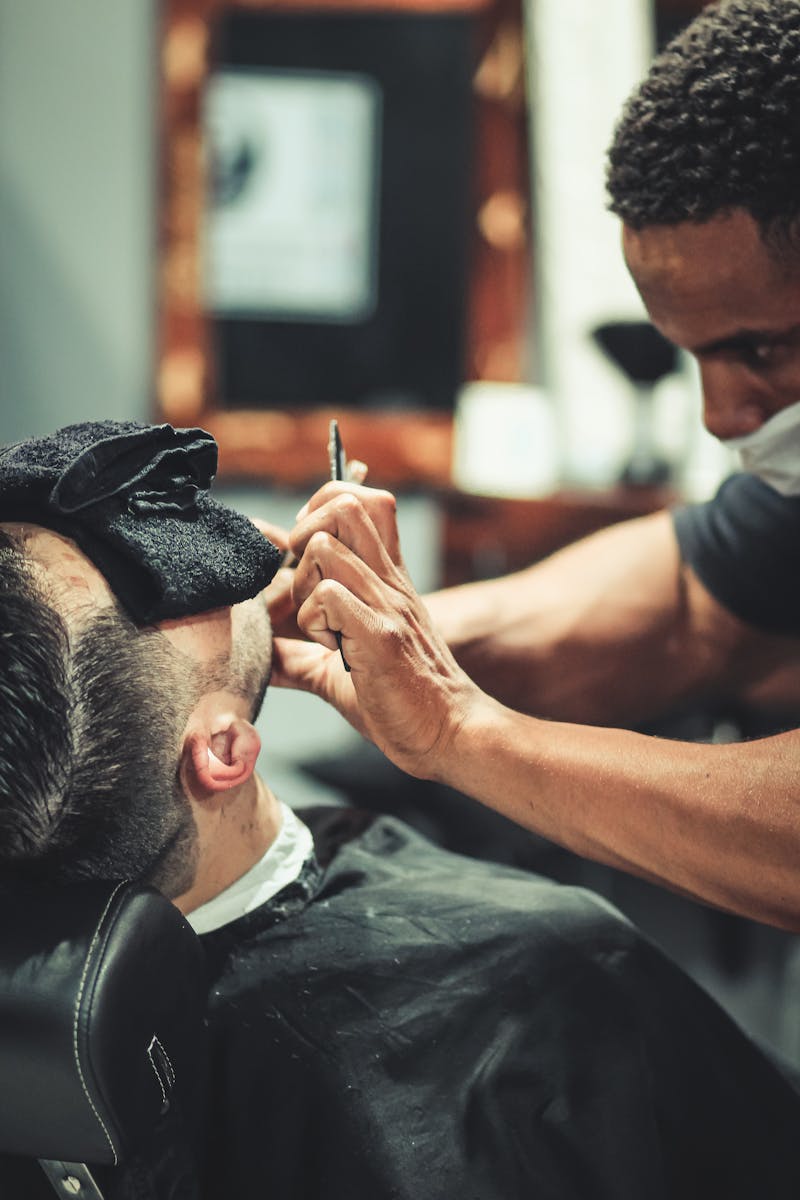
column 173, row 1073
column 77, row 1012
column 156, row 1041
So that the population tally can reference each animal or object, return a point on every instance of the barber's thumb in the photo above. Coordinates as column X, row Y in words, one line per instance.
column 296, row 663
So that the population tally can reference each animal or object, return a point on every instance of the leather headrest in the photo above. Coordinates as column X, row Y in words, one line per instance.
column 102, row 998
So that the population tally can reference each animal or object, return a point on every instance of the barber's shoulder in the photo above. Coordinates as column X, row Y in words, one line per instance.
column 740, row 574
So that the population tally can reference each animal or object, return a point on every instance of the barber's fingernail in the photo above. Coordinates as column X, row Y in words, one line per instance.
column 302, row 513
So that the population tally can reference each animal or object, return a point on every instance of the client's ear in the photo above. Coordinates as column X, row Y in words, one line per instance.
column 216, row 760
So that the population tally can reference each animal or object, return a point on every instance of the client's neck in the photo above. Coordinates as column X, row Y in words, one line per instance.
column 231, row 841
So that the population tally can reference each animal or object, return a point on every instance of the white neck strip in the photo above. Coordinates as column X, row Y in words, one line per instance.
column 281, row 864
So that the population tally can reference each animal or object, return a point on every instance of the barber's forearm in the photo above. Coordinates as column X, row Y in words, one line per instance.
column 498, row 634
column 719, row 823
column 518, row 664
column 596, row 633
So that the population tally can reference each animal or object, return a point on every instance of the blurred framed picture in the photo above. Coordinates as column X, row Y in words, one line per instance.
column 291, row 219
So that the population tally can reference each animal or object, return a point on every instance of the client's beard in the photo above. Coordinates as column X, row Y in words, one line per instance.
column 250, row 665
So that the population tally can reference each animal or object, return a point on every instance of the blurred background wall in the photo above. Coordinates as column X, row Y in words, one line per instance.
column 77, row 179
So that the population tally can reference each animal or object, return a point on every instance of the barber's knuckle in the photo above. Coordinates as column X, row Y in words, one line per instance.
column 347, row 504
column 393, row 634
column 327, row 589
column 386, row 501
column 403, row 614
column 319, row 542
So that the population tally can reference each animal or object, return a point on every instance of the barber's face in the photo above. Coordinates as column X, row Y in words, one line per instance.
column 716, row 290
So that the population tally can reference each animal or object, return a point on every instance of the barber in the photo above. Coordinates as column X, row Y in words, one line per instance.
column 649, row 613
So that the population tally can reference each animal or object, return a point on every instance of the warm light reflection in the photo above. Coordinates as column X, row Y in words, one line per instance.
column 500, row 361
column 184, row 53
column 500, row 72
column 180, row 385
column 501, row 220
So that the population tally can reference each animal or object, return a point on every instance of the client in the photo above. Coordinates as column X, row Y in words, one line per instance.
column 386, row 1019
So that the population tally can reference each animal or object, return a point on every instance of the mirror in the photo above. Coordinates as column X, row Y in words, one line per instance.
column 344, row 226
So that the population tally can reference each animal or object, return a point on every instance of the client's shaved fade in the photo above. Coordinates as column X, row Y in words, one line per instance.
column 91, row 715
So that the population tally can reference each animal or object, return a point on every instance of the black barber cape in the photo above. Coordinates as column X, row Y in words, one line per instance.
column 409, row 1024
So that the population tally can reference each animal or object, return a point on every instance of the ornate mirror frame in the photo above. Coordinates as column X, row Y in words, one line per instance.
column 403, row 449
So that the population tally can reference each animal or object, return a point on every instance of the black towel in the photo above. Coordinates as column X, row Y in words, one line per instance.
column 135, row 500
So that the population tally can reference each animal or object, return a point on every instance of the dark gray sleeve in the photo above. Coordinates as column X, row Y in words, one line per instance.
column 743, row 545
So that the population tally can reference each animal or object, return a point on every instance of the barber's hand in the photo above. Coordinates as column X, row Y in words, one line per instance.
column 404, row 690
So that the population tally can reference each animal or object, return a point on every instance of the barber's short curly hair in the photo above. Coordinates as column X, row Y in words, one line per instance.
column 715, row 125
column 90, row 725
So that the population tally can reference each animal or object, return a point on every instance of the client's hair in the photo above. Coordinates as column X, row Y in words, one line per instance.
column 716, row 125
column 90, row 721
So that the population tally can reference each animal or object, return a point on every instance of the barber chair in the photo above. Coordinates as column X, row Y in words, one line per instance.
column 102, row 1000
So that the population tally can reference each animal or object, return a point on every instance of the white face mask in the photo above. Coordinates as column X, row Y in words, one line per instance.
column 773, row 451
